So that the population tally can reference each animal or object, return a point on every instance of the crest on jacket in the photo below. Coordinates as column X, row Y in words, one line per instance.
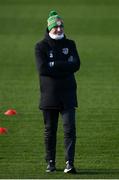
column 65, row 51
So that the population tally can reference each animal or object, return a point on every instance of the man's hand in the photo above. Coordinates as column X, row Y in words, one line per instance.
column 51, row 64
column 70, row 59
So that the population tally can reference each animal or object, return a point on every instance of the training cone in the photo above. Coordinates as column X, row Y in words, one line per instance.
column 10, row 112
column 3, row 130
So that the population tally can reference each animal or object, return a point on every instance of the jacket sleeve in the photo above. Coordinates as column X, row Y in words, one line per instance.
column 41, row 59
column 42, row 64
column 70, row 66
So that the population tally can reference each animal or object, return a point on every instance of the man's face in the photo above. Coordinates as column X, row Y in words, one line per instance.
column 58, row 30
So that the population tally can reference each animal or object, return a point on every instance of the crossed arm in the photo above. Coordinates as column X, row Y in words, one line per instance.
column 56, row 68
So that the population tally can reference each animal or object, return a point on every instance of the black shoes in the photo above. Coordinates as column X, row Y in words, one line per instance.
column 69, row 168
column 51, row 166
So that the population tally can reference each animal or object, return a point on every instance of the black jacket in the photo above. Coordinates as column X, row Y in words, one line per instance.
column 57, row 82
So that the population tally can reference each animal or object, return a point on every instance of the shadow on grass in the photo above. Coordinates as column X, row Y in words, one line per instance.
column 93, row 171
column 62, row 170
column 97, row 171
column 87, row 174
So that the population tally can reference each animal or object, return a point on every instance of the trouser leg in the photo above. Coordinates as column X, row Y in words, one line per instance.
column 51, row 123
column 69, row 133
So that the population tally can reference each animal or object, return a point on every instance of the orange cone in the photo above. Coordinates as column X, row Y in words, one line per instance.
column 10, row 112
column 3, row 130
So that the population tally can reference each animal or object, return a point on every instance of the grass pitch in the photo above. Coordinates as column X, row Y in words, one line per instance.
column 94, row 26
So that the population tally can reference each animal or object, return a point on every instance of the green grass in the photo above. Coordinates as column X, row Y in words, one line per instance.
column 94, row 26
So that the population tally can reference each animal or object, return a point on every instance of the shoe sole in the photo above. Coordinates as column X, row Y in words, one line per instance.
column 67, row 170
column 50, row 171
column 72, row 171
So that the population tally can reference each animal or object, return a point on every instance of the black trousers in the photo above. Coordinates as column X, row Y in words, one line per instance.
column 51, row 124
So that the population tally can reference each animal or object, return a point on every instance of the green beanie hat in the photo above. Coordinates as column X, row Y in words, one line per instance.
column 54, row 20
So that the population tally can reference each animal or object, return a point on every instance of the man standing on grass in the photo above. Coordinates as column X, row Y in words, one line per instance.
column 57, row 61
